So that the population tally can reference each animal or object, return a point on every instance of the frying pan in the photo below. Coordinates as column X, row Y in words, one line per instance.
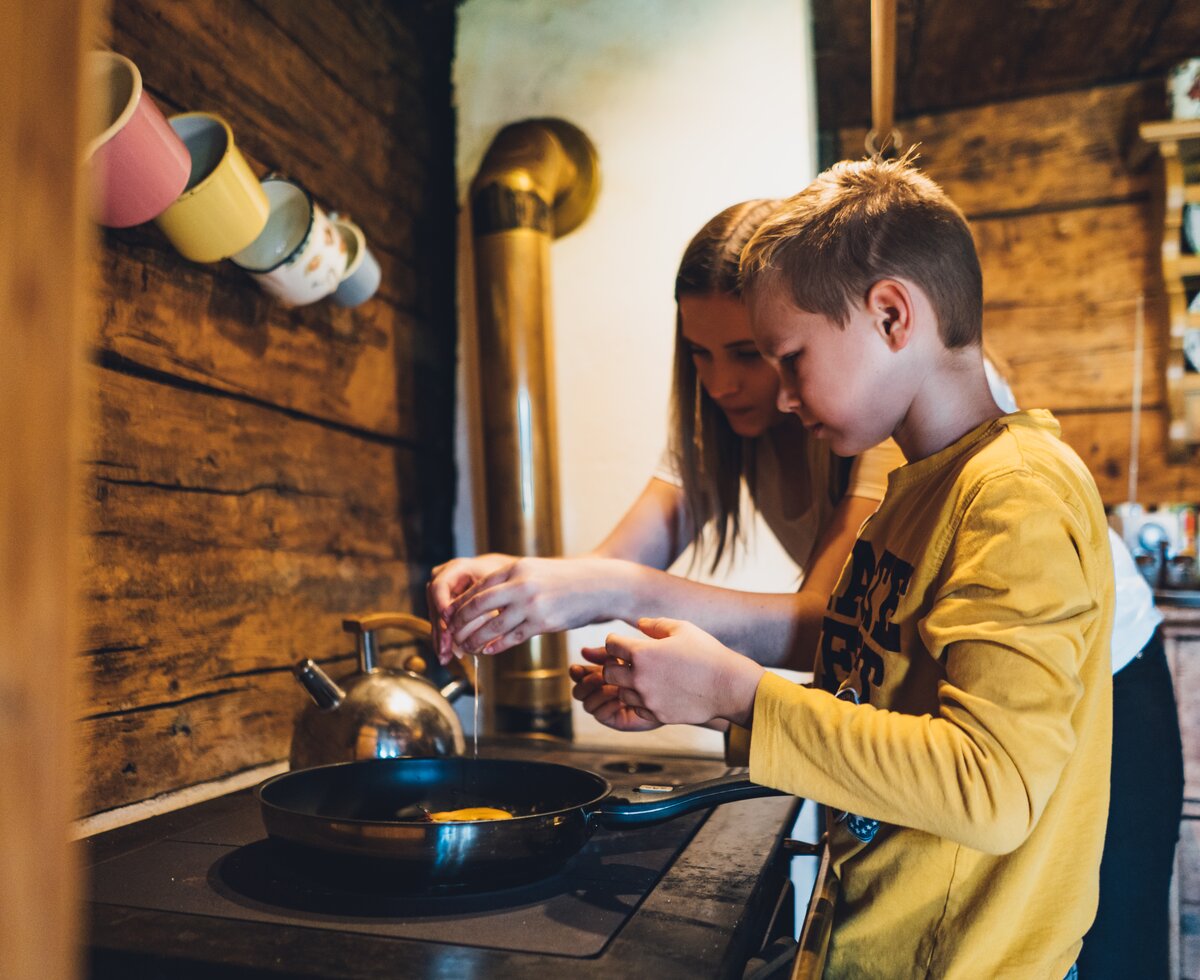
column 365, row 816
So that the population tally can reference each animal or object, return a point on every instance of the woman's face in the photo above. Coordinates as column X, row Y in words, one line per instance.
column 716, row 328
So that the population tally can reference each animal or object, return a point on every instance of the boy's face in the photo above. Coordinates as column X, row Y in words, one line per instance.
column 835, row 379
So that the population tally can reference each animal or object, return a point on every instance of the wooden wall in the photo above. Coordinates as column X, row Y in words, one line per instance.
column 1058, row 191
column 258, row 472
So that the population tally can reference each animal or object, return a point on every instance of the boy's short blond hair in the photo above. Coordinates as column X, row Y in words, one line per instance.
column 865, row 220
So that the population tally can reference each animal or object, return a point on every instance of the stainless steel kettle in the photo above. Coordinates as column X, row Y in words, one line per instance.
column 379, row 712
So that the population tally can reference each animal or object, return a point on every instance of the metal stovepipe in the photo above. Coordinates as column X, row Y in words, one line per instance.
column 537, row 182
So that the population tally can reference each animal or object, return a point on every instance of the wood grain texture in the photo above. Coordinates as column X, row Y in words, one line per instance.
column 1188, row 854
column 1102, row 439
column 45, row 264
column 259, row 472
column 212, row 325
column 949, row 55
column 1079, row 357
column 1039, row 154
column 1073, row 256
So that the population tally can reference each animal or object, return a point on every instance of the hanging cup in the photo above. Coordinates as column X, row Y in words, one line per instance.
column 362, row 275
column 137, row 164
column 299, row 257
column 223, row 208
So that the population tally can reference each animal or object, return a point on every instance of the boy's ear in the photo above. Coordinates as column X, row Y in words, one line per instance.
column 890, row 306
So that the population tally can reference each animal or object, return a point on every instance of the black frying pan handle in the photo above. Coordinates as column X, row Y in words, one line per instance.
column 618, row 811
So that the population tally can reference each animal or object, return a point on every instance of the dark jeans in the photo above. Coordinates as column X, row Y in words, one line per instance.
column 1130, row 935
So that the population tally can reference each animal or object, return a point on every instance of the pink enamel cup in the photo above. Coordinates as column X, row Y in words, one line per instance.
column 138, row 164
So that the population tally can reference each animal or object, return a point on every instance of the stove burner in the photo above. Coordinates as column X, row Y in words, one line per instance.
column 277, row 875
column 632, row 767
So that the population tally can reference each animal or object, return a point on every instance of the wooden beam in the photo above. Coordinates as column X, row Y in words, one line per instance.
column 45, row 257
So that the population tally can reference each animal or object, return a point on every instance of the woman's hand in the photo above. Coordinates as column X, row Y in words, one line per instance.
column 680, row 675
column 601, row 700
column 447, row 582
column 524, row 597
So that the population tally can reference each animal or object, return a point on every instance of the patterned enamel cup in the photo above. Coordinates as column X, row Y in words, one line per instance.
column 362, row 275
column 137, row 165
column 1183, row 89
column 299, row 257
column 223, row 208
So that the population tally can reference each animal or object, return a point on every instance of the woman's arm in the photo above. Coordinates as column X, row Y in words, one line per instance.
column 539, row 595
column 570, row 592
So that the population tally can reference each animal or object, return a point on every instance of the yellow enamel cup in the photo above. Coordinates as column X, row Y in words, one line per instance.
column 222, row 208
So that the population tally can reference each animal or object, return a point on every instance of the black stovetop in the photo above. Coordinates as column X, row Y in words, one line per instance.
column 201, row 892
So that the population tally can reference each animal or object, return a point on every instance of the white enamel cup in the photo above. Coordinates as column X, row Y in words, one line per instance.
column 300, row 257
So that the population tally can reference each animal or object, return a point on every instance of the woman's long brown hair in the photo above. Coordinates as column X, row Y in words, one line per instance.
column 711, row 459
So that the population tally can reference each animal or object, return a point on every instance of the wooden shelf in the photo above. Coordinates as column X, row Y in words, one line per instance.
column 1170, row 130
column 1178, row 144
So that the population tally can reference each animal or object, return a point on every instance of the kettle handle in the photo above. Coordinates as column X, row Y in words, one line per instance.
column 370, row 622
column 364, row 628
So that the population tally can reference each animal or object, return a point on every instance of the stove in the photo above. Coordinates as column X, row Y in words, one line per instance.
column 201, row 892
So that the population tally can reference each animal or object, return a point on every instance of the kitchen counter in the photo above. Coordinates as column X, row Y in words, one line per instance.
column 708, row 905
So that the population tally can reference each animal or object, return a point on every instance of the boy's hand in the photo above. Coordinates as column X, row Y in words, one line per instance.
column 601, row 700
column 681, row 675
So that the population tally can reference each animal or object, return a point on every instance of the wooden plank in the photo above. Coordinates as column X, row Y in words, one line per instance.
column 229, row 539
column 1079, row 356
column 1102, row 440
column 1174, row 39
column 380, row 148
column 1003, row 50
column 246, row 474
column 45, row 258
column 1077, row 256
column 1037, row 154
column 214, row 326
column 136, row 755
column 1187, row 685
column 180, row 625
column 949, row 55
column 288, row 105
column 1188, row 857
column 230, row 545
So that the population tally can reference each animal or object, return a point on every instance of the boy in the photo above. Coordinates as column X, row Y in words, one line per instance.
column 962, row 705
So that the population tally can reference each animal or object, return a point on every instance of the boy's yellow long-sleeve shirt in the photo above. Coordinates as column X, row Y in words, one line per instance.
column 972, row 625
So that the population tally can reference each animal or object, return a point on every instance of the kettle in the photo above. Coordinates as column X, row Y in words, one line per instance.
column 379, row 712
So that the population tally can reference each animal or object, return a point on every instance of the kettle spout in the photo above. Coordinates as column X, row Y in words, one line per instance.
column 320, row 685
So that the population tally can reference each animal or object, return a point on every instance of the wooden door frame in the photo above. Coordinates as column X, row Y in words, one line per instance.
column 46, row 266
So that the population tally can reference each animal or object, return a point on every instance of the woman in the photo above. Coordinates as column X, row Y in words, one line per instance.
column 726, row 429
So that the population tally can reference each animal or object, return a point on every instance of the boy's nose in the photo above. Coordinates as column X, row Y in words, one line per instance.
column 787, row 401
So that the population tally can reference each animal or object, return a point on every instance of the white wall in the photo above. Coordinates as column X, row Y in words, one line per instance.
column 693, row 105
